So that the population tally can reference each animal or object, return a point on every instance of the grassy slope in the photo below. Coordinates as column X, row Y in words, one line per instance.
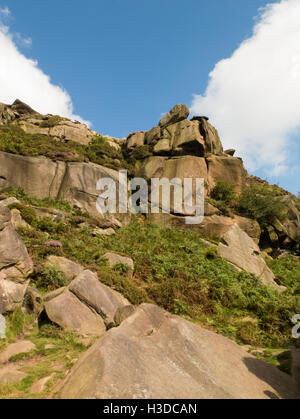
column 173, row 269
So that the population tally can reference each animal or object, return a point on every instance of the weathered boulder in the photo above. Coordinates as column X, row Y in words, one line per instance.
column 71, row 314
column 104, row 232
column 163, row 147
column 240, row 250
column 68, row 267
column 9, row 201
column 228, row 169
column 154, row 355
column 211, row 137
column 33, row 301
column 11, row 294
column 17, row 221
column 7, row 115
column 114, row 259
column 93, row 293
column 136, row 139
column 14, row 259
column 177, row 114
column 153, row 135
column 184, row 138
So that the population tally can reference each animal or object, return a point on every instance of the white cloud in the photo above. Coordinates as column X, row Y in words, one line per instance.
column 5, row 11
column 253, row 97
column 21, row 78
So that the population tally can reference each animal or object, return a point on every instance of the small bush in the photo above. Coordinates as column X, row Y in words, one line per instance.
column 261, row 203
column 27, row 213
column 223, row 191
column 51, row 279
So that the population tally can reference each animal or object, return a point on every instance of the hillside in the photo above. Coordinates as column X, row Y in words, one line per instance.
column 69, row 275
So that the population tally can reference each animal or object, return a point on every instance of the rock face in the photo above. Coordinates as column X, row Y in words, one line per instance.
column 240, row 250
column 154, row 355
column 43, row 178
column 15, row 264
column 226, row 169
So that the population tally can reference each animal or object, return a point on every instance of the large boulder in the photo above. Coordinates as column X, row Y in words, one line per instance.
column 15, row 265
column 184, row 138
column 177, row 114
column 240, row 250
column 154, row 355
column 136, row 139
column 211, row 137
column 114, row 259
column 15, row 262
column 68, row 312
column 93, row 293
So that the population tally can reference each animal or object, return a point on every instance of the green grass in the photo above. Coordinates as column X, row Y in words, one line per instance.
column 175, row 270
column 14, row 140
column 287, row 270
column 42, row 362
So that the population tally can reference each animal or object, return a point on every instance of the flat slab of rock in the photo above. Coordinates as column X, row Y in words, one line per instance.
column 22, row 347
column 71, row 314
column 154, row 355
column 240, row 250
column 92, row 292
column 10, row 375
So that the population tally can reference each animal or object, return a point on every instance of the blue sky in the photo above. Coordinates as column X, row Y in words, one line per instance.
column 125, row 62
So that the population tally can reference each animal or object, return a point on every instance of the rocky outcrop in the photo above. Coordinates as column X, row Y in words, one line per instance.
column 136, row 139
column 43, row 178
column 177, row 114
column 61, row 129
column 15, row 264
column 211, row 135
column 240, row 250
column 154, row 355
